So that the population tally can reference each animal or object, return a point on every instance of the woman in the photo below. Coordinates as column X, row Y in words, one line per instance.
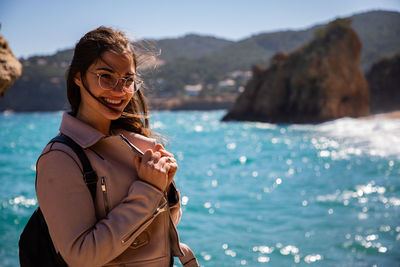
column 132, row 220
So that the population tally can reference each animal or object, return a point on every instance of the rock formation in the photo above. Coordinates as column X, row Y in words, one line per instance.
column 10, row 67
column 320, row 81
column 384, row 82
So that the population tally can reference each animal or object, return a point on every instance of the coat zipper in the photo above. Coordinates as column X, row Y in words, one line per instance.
column 104, row 189
column 160, row 209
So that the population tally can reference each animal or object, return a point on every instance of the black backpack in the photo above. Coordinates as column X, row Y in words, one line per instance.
column 35, row 245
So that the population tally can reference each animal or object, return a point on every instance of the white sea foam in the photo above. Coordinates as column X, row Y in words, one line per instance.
column 376, row 136
column 345, row 137
column 265, row 126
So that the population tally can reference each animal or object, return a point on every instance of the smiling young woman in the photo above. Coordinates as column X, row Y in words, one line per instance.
column 132, row 220
column 101, row 104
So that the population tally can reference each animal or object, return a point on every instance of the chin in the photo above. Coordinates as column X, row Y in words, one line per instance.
column 111, row 115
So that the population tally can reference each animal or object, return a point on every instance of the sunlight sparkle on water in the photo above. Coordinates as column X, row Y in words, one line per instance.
column 263, row 259
column 231, row 146
column 264, row 249
column 158, row 125
column 185, row 200
column 312, row 258
column 21, row 200
column 384, row 228
column 243, row 159
column 198, row 128
column 230, row 253
column 289, row 250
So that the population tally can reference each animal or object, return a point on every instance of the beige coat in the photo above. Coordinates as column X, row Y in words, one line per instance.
column 131, row 222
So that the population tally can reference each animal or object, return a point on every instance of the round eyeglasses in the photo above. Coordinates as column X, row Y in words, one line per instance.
column 109, row 82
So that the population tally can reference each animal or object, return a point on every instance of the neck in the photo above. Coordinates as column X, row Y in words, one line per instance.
column 97, row 122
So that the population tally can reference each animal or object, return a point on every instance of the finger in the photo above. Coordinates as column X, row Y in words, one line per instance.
column 171, row 173
column 173, row 167
column 166, row 168
column 148, row 154
column 158, row 147
column 169, row 159
column 162, row 163
column 162, row 150
column 166, row 153
column 156, row 157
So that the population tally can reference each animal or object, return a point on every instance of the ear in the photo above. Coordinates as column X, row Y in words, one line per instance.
column 78, row 79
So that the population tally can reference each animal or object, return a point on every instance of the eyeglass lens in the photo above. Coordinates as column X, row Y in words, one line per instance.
column 109, row 82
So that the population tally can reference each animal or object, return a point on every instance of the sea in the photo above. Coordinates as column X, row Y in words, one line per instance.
column 252, row 194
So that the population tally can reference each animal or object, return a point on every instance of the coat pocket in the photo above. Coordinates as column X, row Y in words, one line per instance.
column 141, row 240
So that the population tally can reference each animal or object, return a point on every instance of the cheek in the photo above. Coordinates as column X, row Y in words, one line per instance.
column 128, row 99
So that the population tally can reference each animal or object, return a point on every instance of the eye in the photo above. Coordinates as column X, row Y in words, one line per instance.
column 129, row 81
column 107, row 80
column 106, row 76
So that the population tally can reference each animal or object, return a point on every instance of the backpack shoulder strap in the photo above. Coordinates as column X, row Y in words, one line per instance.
column 89, row 175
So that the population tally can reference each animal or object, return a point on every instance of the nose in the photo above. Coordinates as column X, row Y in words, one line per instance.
column 119, row 87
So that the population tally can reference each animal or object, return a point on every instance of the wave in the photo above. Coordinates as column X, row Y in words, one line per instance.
column 377, row 136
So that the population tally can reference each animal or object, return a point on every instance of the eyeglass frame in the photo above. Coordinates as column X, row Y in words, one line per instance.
column 135, row 82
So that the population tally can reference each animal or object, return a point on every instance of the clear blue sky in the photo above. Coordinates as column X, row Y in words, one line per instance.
column 43, row 27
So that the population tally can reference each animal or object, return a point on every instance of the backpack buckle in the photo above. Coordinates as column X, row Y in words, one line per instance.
column 90, row 177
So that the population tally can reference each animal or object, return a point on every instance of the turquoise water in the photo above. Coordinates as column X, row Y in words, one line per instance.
column 253, row 194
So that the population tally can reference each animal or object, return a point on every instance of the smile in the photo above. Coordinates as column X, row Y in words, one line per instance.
column 112, row 102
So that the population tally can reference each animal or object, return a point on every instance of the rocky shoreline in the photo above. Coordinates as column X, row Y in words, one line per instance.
column 10, row 67
column 318, row 82
column 192, row 103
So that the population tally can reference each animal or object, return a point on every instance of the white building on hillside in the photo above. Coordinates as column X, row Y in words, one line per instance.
column 193, row 89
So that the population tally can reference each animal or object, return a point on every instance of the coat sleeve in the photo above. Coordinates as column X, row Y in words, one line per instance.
column 69, row 211
column 174, row 202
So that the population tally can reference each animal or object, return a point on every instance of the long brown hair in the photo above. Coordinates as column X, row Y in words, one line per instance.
column 87, row 51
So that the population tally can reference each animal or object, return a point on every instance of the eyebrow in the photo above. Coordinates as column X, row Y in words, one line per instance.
column 112, row 71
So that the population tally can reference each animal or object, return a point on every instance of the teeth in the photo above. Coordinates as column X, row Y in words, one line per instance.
column 114, row 102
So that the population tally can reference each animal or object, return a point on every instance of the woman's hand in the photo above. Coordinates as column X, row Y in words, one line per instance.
column 157, row 167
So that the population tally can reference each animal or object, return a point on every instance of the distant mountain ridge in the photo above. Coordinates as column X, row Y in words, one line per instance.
column 199, row 60
column 190, row 46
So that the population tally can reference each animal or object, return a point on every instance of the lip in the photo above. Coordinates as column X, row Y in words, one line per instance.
column 113, row 102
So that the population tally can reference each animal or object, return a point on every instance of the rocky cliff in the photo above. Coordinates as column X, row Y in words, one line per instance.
column 10, row 67
column 384, row 82
column 320, row 81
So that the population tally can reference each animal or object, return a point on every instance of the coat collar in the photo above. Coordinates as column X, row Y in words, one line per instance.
column 82, row 133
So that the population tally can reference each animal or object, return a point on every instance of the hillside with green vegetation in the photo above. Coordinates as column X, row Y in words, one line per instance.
column 217, row 66
column 190, row 46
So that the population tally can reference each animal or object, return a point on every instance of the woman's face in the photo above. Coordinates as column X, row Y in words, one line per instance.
column 113, row 64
